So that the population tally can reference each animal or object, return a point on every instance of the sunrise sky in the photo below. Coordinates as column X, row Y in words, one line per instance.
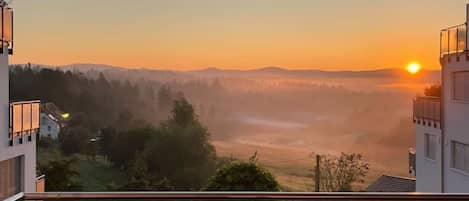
column 234, row 34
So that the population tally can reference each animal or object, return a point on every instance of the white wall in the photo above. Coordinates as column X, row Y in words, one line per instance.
column 456, row 126
column 27, row 149
column 428, row 172
column 46, row 121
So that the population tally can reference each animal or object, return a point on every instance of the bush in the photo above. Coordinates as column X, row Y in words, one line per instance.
column 242, row 176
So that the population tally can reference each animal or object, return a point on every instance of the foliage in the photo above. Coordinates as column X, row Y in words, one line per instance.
column 96, row 175
column 74, row 140
column 175, row 155
column 339, row 173
column 433, row 90
column 126, row 144
column 243, row 176
column 60, row 176
column 93, row 103
column 180, row 150
column 46, row 142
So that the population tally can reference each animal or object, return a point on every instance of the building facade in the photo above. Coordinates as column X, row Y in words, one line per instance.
column 442, row 123
column 52, row 120
column 19, row 124
column 50, row 126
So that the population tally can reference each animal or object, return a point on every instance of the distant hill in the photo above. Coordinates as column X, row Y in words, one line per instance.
column 142, row 73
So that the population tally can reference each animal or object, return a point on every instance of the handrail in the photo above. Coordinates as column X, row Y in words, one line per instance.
column 452, row 27
column 242, row 196
column 24, row 102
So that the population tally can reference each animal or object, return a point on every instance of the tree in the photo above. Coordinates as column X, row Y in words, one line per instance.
column 243, row 176
column 180, row 150
column 127, row 143
column 59, row 175
column 165, row 101
column 46, row 142
column 433, row 90
column 106, row 139
column 339, row 173
column 74, row 140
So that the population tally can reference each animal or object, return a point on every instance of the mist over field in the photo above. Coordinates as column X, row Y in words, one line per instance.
column 286, row 115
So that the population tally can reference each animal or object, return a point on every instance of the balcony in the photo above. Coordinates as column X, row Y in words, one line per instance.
column 239, row 196
column 6, row 33
column 427, row 111
column 453, row 40
column 24, row 121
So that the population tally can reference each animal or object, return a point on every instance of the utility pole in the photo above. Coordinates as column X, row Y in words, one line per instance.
column 318, row 173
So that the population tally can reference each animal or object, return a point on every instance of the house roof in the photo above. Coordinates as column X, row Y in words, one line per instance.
column 387, row 183
column 51, row 110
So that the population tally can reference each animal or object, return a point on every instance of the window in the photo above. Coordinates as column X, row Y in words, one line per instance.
column 10, row 174
column 461, row 86
column 430, row 146
column 460, row 156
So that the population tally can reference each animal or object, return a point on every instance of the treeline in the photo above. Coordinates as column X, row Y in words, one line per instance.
column 95, row 103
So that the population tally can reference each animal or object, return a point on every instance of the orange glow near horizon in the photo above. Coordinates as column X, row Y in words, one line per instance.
column 236, row 34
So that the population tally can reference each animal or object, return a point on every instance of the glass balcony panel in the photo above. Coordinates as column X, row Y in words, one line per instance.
column 462, row 38
column 7, row 25
column 444, row 42
column 427, row 108
column 17, row 119
column 26, row 117
column 35, row 115
column 453, row 42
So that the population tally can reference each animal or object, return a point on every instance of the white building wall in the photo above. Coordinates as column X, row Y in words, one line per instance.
column 456, row 114
column 27, row 149
column 46, row 123
column 428, row 174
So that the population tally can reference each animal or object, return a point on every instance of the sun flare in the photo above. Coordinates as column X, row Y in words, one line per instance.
column 413, row 67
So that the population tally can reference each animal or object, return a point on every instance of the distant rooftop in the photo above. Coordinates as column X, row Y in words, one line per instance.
column 387, row 183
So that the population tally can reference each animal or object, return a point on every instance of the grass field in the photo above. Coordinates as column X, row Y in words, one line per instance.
column 95, row 175
column 292, row 166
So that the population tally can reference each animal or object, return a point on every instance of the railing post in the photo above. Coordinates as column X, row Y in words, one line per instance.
column 448, row 40
column 441, row 44
column 457, row 40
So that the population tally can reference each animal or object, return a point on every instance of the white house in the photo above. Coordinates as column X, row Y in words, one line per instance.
column 442, row 124
column 52, row 120
column 50, row 126
column 19, row 124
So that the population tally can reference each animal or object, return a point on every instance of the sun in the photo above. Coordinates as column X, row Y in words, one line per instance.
column 413, row 67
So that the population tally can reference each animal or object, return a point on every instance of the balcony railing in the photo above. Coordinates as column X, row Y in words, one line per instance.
column 41, row 184
column 24, row 121
column 6, row 32
column 453, row 40
column 248, row 196
column 427, row 109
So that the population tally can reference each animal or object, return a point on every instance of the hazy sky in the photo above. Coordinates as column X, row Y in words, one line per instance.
column 194, row 34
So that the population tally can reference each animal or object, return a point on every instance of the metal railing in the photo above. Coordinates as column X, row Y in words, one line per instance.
column 24, row 120
column 427, row 108
column 453, row 40
column 241, row 196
